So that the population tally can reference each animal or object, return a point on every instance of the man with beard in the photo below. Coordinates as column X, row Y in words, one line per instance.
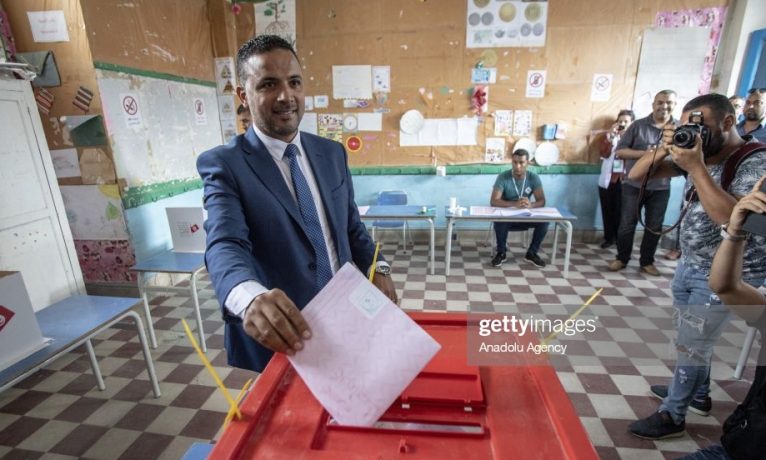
column 281, row 213
column 754, row 123
column 699, row 315
column 641, row 136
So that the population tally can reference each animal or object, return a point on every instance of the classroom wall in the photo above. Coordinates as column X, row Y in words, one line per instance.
column 424, row 43
column 577, row 192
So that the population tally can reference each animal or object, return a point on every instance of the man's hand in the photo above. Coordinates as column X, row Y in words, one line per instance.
column 755, row 201
column 386, row 285
column 273, row 320
column 688, row 159
column 524, row 202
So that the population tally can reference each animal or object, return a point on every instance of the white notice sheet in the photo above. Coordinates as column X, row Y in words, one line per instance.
column 364, row 350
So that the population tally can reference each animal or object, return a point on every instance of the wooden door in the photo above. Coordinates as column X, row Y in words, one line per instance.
column 34, row 233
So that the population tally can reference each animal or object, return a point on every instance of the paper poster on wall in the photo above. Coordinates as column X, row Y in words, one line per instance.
column 442, row 131
column 330, row 126
column 276, row 17
column 65, row 163
column 601, row 88
column 322, row 101
column 670, row 58
column 48, row 26
column 370, row 121
column 225, row 77
column 227, row 108
column 491, row 24
column 536, row 83
column 483, row 75
column 131, row 111
column 309, row 123
column 228, row 130
column 503, row 122
column 381, row 78
column 308, row 103
column 351, row 82
column 94, row 212
column 494, row 149
column 200, row 115
column 350, row 123
column 522, row 122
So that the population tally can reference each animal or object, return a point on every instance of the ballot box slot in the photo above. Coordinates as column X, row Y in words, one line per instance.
column 413, row 426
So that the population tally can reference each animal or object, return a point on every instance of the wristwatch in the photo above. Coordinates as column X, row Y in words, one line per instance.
column 384, row 270
column 728, row 236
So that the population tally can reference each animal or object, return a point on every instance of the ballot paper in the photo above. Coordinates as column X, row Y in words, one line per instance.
column 363, row 352
column 513, row 212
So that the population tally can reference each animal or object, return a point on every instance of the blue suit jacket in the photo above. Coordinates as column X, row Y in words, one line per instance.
column 255, row 230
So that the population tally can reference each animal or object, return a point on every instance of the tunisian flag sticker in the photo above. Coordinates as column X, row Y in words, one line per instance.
column 5, row 316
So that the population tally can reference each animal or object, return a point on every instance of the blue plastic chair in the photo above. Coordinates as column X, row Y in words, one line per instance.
column 391, row 197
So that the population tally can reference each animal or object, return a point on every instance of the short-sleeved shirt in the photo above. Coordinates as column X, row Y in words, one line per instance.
column 758, row 133
column 513, row 187
column 639, row 136
column 700, row 236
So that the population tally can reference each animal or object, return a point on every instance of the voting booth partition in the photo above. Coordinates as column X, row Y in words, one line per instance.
column 20, row 334
column 452, row 410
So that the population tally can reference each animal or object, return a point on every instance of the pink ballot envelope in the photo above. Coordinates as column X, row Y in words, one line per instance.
column 364, row 350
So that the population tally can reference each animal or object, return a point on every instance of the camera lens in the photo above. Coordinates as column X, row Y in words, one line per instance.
column 684, row 137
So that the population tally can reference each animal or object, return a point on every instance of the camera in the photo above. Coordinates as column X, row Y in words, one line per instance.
column 684, row 136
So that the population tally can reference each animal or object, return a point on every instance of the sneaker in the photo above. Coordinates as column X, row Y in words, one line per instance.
column 698, row 407
column 535, row 260
column 616, row 265
column 659, row 425
column 650, row 270
column 498, row 259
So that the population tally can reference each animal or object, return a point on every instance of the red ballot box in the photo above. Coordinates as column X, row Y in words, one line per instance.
column 450, row 411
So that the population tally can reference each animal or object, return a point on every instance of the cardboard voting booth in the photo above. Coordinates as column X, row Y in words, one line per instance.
column 187, row 229
column 20, row 334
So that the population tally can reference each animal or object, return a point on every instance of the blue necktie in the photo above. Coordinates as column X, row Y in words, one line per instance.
column 310, row 217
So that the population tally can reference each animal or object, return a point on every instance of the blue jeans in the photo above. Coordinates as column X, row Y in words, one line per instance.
column 700, row 318
column 711, row 452
column 502, row 229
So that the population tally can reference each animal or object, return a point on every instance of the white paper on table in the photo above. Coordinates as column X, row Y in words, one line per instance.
column 530, row 212
column 363, row 210
column 514, row 212
column 364, row 351
column 66, row 163
column 484, row 211
column 309, row 123
column 352, row 82
column 369, row 121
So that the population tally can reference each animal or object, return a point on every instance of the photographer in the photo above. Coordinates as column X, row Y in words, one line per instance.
column 640, row 137
column 700, row 317
column 610, row 180
column 743, row 437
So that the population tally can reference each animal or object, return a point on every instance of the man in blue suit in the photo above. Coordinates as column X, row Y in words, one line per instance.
column 281, row 212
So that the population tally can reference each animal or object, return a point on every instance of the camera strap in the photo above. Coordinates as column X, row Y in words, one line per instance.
column 730, row 167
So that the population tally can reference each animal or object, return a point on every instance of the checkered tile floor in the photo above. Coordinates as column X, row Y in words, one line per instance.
column 59, row 412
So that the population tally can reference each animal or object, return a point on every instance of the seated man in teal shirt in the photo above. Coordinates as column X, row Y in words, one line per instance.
column 513, row 189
